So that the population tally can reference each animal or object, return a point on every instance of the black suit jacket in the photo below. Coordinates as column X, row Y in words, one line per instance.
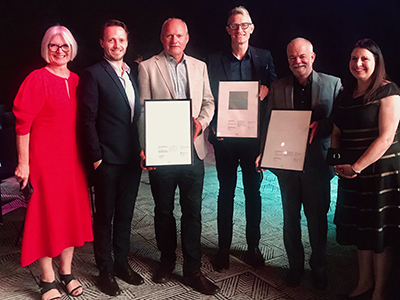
column 219, row 68
column 104, row 116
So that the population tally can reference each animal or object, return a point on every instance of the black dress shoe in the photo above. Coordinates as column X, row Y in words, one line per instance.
column 107, row 284
column 255, row 257
column 319, row 280
column 293, row 278
column 201, row 284
column 127, row 274
column 221, row 260
column 164, row 273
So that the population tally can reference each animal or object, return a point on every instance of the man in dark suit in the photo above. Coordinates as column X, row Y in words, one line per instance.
column 109, row 109
column 174, row 75
column 306, row 90
column 240, row 62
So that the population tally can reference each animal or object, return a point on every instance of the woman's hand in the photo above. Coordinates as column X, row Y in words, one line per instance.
column 22, row 172
column 345, row 171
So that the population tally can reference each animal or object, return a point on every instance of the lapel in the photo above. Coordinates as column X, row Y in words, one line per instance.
column 226, row 63
column 315, row 90
column 161, row 63
column 255, row 60
column 289, row 93
column 111, row 72
column 191, row 80
column 137, row 107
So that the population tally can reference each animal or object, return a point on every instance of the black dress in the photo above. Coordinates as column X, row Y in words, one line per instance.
column 368, row 206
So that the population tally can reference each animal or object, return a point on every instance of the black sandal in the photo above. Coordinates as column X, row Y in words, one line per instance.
column 48, row 286
column 66, row 279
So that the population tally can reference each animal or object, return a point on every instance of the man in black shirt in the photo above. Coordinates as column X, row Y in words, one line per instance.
column 239, row 62
column 306, row 90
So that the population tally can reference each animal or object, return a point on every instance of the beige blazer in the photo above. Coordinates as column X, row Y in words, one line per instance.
column 155, row 82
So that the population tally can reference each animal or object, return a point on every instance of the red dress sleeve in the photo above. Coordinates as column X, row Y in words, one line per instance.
column 29, row 102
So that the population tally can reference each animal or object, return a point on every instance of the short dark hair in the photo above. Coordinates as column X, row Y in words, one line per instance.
column 379, row 75
column 109, row 23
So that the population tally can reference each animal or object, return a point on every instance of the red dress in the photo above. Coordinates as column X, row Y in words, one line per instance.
column 58, row 214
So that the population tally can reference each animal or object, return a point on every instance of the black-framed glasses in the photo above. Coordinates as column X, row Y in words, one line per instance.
column 55, row 47
column 235, row 26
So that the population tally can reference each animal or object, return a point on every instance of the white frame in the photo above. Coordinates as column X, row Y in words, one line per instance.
column 168, row 128
column 287, row 139
column 241, row 122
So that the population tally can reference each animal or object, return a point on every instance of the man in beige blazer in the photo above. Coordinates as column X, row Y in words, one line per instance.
column 174, row 75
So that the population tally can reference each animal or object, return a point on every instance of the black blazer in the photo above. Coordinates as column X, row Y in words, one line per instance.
column 104, row 116
column 219, row 68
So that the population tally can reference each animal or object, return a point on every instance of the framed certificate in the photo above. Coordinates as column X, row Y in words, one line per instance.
column 238, row 109
column 286, row 142
column 168, row 128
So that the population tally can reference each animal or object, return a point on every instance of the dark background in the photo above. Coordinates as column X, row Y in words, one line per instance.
column 333, row 26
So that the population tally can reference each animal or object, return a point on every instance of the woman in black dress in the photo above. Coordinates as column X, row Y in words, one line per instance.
column 366, row 117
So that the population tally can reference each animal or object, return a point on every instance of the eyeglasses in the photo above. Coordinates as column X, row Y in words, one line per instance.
column 54, row 47
column 235, row 26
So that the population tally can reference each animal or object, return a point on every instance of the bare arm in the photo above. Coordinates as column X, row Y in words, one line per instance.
column 389, row 116
column 335, row 137
column 22, row 170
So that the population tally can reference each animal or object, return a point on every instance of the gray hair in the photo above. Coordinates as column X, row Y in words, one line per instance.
column 300, row 39
column 170, row 19
column 66, row 35
column 239, row 10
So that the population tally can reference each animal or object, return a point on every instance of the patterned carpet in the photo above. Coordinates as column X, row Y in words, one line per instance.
column 240, row 282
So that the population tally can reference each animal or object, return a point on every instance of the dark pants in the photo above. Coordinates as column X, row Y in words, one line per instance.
column 164, row 181
column 116, row 188
column 229, row 154
column 313, row 191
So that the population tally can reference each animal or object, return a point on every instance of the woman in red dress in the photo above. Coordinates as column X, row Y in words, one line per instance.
column 58, row 216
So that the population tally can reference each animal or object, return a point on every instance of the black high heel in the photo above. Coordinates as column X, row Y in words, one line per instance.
column 66, row 279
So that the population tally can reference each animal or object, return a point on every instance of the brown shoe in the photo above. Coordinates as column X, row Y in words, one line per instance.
column 127, row 274
column 164, row 273
column 201, row 284
column 107, row 284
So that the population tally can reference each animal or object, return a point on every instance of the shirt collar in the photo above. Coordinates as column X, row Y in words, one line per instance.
column 309, row 80
column 171, row 59
column 246, row 56
column 125, row 67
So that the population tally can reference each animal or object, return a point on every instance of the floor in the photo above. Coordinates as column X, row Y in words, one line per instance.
column 241, row 281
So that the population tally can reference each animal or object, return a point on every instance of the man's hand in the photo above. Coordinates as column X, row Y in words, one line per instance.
column 97, row 164
column 314, row 130
column 218, row 138
column 197, row 128
column 143, row 162
column 264, row 90
column 258, row 164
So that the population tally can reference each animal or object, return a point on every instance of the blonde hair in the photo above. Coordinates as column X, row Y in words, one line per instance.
column 239, row 10
column 66, row 35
